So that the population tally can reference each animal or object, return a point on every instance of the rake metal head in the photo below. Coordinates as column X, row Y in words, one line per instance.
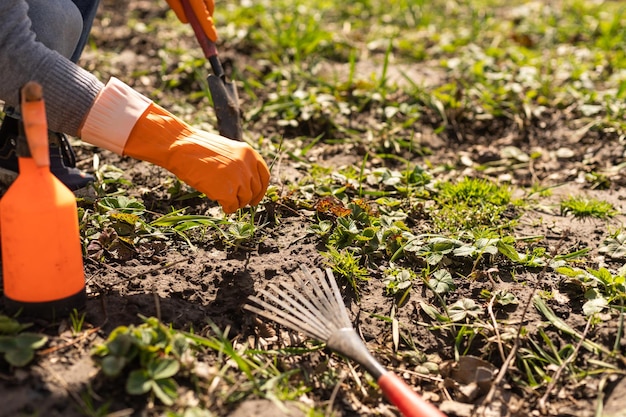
column 311, row 304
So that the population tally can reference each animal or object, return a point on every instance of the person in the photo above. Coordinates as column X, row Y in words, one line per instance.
column 42, row 40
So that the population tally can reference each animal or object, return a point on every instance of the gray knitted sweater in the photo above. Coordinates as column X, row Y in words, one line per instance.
column 69, row 91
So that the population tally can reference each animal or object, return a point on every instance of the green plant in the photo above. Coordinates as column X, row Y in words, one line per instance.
column 462, row 320
column 151, row 357
column 475, row 192
column 566, row 329
column 89, row 409
column 153, row 353
column 347, row 265
column 10, row 326
column 441, row 282
column 322, row 228
column 155, row 377
column 601, row 288
column 471, row 204
column 398, row 281
column 109, row 179
column 18, row 347
column 598, row 181
column 78, row 320
column 433, row 249
column 241, row 233
column 614, row 246
column 587, row 207
column 541, row 355
column 464, row 309
column 262, row 378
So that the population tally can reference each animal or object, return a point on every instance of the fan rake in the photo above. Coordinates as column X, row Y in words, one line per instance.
column 312, row 304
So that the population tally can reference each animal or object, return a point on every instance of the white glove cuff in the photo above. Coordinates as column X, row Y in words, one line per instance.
column 113, row 116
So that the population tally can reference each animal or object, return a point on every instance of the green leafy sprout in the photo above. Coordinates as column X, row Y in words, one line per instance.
column 583, row 207
column 17, row 346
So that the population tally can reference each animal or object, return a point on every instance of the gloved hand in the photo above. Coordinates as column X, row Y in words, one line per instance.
column 203, row 9
column 124, row 121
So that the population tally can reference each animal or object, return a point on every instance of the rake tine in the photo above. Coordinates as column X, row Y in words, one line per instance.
column 311, row 293
column 284, row 318
column 296, row 309
column 334, row 297
column 302, row 296
column 302, row 304
column 335, row 289
column 269, row 311
column 332, row 311
column 310, row 305
column 293, row 325
column 315, row 293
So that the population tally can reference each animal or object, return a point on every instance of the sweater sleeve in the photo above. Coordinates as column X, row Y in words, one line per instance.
column 69, row 91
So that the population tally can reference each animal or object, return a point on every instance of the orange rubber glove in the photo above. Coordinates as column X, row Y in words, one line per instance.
column 203, row 10
column 124, row 121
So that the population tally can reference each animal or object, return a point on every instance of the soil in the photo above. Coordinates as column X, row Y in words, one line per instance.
column 190, row 287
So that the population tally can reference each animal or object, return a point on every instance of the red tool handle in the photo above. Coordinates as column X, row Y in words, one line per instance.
column 408, row 401
column 207, row 45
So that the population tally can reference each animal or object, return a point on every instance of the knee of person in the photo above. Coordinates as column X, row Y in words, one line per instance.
column 57, row 24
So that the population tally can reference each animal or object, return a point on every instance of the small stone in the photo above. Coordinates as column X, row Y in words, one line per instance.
column 564, row 153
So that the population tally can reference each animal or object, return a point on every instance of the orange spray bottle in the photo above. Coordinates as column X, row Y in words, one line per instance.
column 42, row 264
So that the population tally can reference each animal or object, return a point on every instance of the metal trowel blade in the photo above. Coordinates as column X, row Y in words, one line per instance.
column 226, row 104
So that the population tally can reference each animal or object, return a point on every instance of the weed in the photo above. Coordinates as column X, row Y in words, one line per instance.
column 461, row 320
column 614, row 246
column 16, row 346
column 464, row 309
column 109, row 179
column 441, row 282
column 263, row 378
column 347, row 265
column 471, row 204
column 433, row 249
column 152, row 351
column 601, row 288
column 78, row 320
column 563, row 327
column 583, row 207
column 89, row 409
column 9, row 326
column 156, row 378
column 541, row 356
column 598, row 181
column 398, row 281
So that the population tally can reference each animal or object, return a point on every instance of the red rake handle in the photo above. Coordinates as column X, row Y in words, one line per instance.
column 408, row 401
